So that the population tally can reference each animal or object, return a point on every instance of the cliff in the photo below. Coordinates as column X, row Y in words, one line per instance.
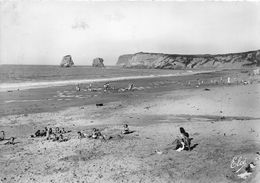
column 176, row 61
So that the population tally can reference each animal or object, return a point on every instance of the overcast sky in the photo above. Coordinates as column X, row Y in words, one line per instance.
column 43, row 32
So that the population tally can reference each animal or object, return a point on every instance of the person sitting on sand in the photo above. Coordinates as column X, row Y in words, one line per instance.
column 40, row 133
column 62, row 138
column 50, row 134
column 130, row 87
column 184, row 141
column 64, row 131
column 2, row 136
column 96, row 134
column 57, row 130
column 126, row 129
column 81, row 135
column 59, row 138
column 78, row 87
column 185, row 137
column 56, row 137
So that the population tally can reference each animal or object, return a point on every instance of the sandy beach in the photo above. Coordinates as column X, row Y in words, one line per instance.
column 223, row 120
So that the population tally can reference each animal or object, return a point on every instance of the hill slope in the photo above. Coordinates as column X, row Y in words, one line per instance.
column 176, row 61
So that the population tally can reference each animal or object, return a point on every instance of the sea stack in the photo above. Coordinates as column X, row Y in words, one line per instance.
column 67, row 61
column 98, row 62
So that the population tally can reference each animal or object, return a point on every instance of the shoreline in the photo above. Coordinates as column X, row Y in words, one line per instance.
column 45, row 84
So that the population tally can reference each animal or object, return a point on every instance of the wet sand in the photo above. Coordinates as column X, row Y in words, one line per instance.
column 222, row 120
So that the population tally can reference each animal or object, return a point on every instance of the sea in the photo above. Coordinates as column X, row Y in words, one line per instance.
column 14, row 77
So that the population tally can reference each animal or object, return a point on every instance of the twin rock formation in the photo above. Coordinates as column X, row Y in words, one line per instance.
column 175, row 61
column 68, row 62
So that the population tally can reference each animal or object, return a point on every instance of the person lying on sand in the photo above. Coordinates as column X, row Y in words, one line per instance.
column 2, row 136
column 183, row 141
column 129, row 88
column 11, row 141
column 126, row 129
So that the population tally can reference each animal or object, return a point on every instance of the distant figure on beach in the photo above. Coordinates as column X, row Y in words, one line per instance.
column 106, row 86
column 2, row 136
column 221, row 80
column 183, row 141
column 126, row 129
column 90, row 87
column 228, row 80
column 130, row 86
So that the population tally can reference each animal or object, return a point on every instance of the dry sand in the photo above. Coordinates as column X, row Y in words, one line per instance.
column 146, row 155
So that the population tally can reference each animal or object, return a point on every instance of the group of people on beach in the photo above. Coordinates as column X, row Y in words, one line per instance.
column 52, row 134
column 57, row 134
column 96, row 133
column 106, row 87
column 183, row 142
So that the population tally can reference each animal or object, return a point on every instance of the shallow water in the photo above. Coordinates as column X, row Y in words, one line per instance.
column 13, row 77
column 34, row 73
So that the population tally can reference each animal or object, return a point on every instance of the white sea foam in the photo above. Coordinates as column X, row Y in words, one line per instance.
column 12, row 101
column 45, row 84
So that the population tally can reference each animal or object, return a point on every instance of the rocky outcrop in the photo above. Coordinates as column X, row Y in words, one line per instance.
column 175, row 61
column 124, row 59
column 67, row 61
column 98, row 62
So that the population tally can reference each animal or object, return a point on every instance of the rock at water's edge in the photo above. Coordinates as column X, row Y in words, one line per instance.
column 98, row 62
column 67, row 61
